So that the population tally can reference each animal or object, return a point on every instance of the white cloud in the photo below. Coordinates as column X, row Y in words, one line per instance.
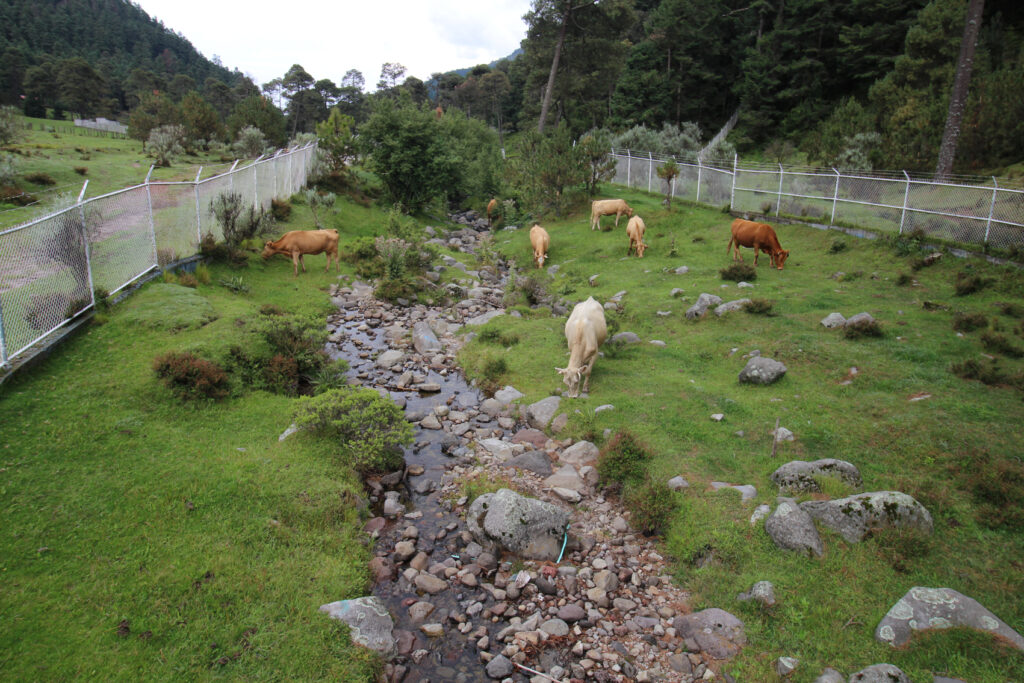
column 329, row 39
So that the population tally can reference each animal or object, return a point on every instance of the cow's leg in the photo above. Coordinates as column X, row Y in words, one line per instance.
column 586, row 371
column 295, row 263
column 302, row 263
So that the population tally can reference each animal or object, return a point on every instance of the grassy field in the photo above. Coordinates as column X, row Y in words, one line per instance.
column 957, row 451
column 146, row 539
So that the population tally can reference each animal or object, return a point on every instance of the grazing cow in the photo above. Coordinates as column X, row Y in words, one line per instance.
column 539, row 240
column 300, row 242
column 606, row 207
column 761, row 237
column 635, row 229
column 585, row 331
column 492, row 210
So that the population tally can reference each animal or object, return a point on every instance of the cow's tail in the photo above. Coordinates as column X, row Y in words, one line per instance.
column 729, row 246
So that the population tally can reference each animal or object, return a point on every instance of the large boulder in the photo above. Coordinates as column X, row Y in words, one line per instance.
column 715, row 631
column 424, row 339
column 524, row 526
column 580, row 454
column 880, row 673
column 566, row 478
column 793, row 529
column 854, row 517
column 924, row 609
column 485, row 318
column 730, row 306
column 761, row 370
column 539, row 414
column 390, row 358
column 537, row 462
column 798, row 475
column 704, row 302
column 368, row 620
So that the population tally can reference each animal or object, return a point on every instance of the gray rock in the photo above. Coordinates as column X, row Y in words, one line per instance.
column 798, row 475
column 746, row 491
column 432, row 630
column 492, row 407
column 499, row 667
column 833, row 320
column 760, row 512
column 424, row 339
column 559, row 423
column 539, row 414
column 428, row 583
column 925, row 609
column 744, row 285
column 854, row 516
column 430, row 422
column 580, row 454
column 501, row 450
column 681, row 270
column 572, row 612
column 537, row 462
column 761, row 370
column 859, row 318
column 704, row 302
column 784, row 666
column 715, row 631
column 420, row 610
column 678, row 484
column 880, row 673
column 555, row 627
column 762, row 592
column 485, row 317
column 602, row 408
column 390, row 358
column 791, row 528
column 524, row 526
column 782, row 434
column 730, row 307
column 830, row 675
column 292, row 428
column 368, row 620
column 625, row 338
column 507, row 395
column 566, row 477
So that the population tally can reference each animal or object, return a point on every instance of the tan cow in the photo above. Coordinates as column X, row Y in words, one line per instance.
column 539, row 240
column 585, row 331
column 492, row 211
column 759, row 236
column 635, row 230
column 606, row 207
column 298, row 243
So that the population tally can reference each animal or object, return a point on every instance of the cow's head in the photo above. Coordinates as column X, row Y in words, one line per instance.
column 780, row 257
column 572, row 380
column 640, row 249
column 629, row 211
column 539, row 257
column 268, row 250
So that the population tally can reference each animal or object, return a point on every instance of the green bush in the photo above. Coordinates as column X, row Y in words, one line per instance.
column 759, row 306
column 739, row 272
column 623, row 461
column 295, row 336
column 863, row 328
column 282, row 375
column 189, row 377
column 280, row 209
column 904, row 279
column 997, row 343
column 969, row 284
column 968, row 322
column 837, row 246
column 40, row 178
column 370, row 429
column 1011, row 309
column 651, row 504
column 493, row 335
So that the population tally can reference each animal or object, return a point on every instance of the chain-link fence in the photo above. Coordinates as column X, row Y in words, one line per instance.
column 51, row 266
column 961, row 209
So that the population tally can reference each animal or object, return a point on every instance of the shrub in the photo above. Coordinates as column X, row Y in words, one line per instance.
column 997, row 343
column 282, row 375
column 766, row 208
column 904, row 279
column 739, row 272
column 968, row 322
column 220, row 252
column 165, row 143
column 81, row 170
column 909, row 243
column 280, row 209
column 10, row 124
column 863, row 328
column 997, row 489
column 318, row 201
column 392, row 251
column 102, row 299
column 1011, row 309
column 622, row 461
column 188, row 280
column 271, row 309
column 651, row 505
column 331, row 376
column 295, row 336
column 837, row 246
column 40, row 178
column 987, row 373
column 360, row 249
column 759, row 307
column 235, row 284
column 8, row 170
column 370, row 429
column 533, row 288
column 238, row 220
column 189, row 377
column 969, row 284
column 250, row 142
column 203, row 274
column 493, row 335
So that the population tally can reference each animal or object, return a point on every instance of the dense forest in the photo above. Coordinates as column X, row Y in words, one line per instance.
column 859, row 83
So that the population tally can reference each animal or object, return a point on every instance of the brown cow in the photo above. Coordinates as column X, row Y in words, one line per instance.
column 607, row 207
column 492, row 210
column 761, row 237
column 297, row 243
column 635, row 230
column 539, row 240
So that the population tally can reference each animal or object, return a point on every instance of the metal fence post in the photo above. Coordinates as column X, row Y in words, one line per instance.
column 85, row 243
column 700, row 167
column 732, row 192
column 3, row 344
column 650, row 170
column 152, row 223
column 231, row 175
column 991, row 207
column 291, row 178
column 906, row 195
column 778, row 202
column 195, row 189
column 629, row 166
column 256, row 184
column 835, row 197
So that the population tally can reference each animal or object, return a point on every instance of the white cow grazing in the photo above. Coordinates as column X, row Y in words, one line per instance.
column 585, row 331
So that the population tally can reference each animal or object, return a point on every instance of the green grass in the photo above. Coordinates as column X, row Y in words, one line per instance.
column 829, row 607
column 192, row 522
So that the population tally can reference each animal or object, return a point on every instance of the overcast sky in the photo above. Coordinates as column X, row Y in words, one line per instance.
column 329, row 38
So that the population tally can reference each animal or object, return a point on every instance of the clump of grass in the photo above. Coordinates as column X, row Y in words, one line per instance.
column 235, row 284
column 968, row 322
column 271, row 309
column 759, row 307
column 482, row 481
column 967, row 283
column 997, row 343
column 495, row 336
column 280, row 209
column 191, row 378
column 989, row 372
column 904, row 279
column 1011, row 309
column 739, row 272
column 934, row 306
column 81, row 170
column 188, row 280
column 837, row 246
column 40, row 178
column 623, row 461
column 902, row 548
column 651, row 504
column 863, row 328
column 997, row 487
column 202, row 274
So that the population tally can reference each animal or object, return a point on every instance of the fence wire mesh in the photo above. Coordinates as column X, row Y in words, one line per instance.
column 50, row 266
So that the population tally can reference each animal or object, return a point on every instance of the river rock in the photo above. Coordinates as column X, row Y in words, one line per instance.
column 424, row 339
column 566, row 478
column 524, row 526
column 571, row 613
column 791, row 528
column 761, row 370
column 533, row 437
column 704, row 302
column 854, row 516
column 499, row 667
column 539, row 414
column 501, row 450
column 537, row 462
column 924, row 609
column 798, row 475
column 507, row 395
column 830, row 675
column 579, row 454
column 485, row 317
column 880, row 673
column 420, row 610
column 492, row 407
column 678, row 484
column 429, row 583
column 368, row 620
column 390, row 358
column 555, row 627
column 716, row 632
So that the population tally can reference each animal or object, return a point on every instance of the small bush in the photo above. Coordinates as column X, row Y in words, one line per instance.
column 271, row 309
column 969, row 284
column 360, row 249
column 766, row 207
column 295, row 336
column 494, row 336
column 235, row 284
column 1011, row 309
column 81, row 170
column 282, row 375
column 370, row 429
column 622, row 461
column 759, row 307
column 997, row 343
column 75, row 306
column 988, row 372
column 651, row 505
column 910, row 243
column 40, row 178
column 837, row 246
column 280, row 209
column 191, row 378
column 903, row 279
column 492, row 372
column 968, row 322
column 102, row 299
column 188, row 280
column 203, row 274
column 903, row 547
column 331, row 376
column 220, row 252
column 863, row 328
column 739, row 272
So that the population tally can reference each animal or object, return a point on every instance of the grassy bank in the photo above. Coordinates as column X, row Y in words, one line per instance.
column 956, row 451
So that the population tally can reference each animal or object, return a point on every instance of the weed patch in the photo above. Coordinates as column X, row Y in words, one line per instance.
column 997, row 343
column 968, row 322
column 493, row 335
column 651, row 505
column 759, row 307
column 862, row 329
column 967, row 283
column 987, row 372
column 189, row 377
column 623, row 461
column 739, row 272
column 837, row 246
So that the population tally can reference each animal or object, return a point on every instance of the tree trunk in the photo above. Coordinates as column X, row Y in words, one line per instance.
column 958, row 98
column 554, row 67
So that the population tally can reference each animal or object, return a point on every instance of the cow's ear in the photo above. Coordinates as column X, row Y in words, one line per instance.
column 268, row 243
column 561, row 371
